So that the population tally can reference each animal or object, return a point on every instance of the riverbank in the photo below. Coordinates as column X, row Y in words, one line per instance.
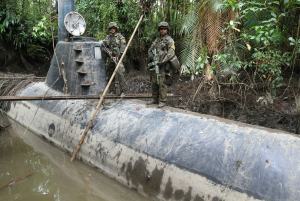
column 247, row 106
column 234, row 103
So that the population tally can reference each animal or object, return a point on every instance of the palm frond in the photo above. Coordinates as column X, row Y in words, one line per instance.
column 190, row 51
column 190, row 20
column 202, row 27
column 251, row 21
column 217, row 6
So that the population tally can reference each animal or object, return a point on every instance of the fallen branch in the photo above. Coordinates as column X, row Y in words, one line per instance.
column 12, row 182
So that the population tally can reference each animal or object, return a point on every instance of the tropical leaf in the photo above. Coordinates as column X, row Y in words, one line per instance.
column 189, row 52
column 190, row 20
column 202, row 27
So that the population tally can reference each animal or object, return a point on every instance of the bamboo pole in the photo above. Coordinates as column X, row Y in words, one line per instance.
column 104, row 93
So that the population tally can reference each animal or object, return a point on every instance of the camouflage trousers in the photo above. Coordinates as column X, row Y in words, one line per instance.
column 110, row 68
column 159, row 90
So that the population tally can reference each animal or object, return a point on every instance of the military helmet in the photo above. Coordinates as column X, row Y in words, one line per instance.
column 112, row 24
column 163, row 25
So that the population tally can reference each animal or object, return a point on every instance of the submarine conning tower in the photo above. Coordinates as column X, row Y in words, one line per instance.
column 63, row 7
column 78, row 64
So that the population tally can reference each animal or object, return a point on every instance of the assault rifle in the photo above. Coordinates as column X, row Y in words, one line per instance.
column 153, row 66
column 107, row 51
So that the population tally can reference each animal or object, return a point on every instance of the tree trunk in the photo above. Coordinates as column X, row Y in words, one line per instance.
column 167, row 11
column 142, row 57
column 298, row 109
column 7, row 57
column 23, row 7
column 298, row 116
column 27, row 65
column 146, row 5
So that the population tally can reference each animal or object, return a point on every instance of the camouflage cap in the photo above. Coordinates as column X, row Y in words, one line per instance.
column 112, row 24
column 163, row 25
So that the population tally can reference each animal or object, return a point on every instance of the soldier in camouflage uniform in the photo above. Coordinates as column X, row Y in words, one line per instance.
column 164, row 49
column 116, row 44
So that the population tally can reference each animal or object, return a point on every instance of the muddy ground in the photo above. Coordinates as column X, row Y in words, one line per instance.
column 228, row 102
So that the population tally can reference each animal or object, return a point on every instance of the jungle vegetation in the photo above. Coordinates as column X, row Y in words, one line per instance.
column 245, row 43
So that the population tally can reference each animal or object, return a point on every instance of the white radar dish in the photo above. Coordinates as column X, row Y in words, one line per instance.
column 74, row 23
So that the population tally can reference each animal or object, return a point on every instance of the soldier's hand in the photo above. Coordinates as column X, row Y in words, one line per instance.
column 160, row 64
column 150, row 58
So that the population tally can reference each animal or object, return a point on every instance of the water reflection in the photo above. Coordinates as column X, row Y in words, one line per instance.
column 54, row 178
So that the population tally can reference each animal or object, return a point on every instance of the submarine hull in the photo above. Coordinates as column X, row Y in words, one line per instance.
column 168, row 154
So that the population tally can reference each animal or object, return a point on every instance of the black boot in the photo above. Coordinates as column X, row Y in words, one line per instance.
column 152, row 102
column 161, row 104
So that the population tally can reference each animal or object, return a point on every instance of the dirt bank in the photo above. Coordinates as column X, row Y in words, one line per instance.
column 227, row 102
column 248, row 106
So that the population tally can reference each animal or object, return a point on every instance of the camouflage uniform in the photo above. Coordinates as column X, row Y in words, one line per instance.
column 116, row 44
column 165, row 50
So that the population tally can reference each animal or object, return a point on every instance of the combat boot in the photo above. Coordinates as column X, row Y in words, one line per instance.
column 161, row 104
column 122, row 95
column 152, row 102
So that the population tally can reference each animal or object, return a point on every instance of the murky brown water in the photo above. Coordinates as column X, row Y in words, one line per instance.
column 54, row 178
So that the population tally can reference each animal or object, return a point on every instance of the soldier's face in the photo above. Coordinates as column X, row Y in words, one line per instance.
column 112, row 30
column 163, row 31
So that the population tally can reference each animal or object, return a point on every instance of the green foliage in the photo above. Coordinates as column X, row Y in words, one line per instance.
column 37, row 50
column 199, row 29
column 264, row 30
column 41, row 29
column 295, row 43
column 228, row 65
column 200, row 66
column 26, row 23
column 98, row 13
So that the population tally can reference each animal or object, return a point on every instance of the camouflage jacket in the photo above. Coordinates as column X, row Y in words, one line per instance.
column 165, row 49
column 115, row 43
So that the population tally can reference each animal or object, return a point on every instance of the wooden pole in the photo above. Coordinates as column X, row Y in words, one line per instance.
column 76, row 97
column 22, row 78
column 104, row 93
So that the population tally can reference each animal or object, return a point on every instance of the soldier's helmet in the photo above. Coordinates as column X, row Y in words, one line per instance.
column 112, row 25
column 163, row 25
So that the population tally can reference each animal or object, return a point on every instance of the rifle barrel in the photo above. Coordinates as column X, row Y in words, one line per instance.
column 106, row 50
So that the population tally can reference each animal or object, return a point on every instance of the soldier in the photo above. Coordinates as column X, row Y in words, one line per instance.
column 116, row 45
column 160, row 53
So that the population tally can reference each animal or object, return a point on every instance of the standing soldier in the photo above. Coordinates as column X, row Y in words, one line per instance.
column 160, row 53
column 116, row 45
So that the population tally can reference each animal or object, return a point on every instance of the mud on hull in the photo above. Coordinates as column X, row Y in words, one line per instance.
column 169, row 154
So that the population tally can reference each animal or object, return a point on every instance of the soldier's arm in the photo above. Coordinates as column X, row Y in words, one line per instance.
column 105, row 42
column 150, row 54
column 171, row 51
column 122, row 44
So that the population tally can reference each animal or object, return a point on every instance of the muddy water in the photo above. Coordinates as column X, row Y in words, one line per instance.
column 54, row 178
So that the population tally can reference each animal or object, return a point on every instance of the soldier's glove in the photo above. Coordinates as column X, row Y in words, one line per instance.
column 120, row 56
column 150, row 58
column 160, row 64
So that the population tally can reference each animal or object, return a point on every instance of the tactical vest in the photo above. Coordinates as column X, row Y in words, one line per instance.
column 161, row 46
column 114, row 43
